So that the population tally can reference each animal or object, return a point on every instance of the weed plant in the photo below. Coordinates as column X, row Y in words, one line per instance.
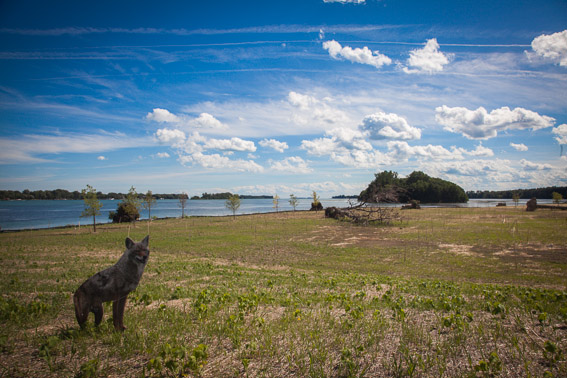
column 445, row 293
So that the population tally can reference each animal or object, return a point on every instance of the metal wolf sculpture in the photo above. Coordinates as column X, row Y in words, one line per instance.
column 112, row 284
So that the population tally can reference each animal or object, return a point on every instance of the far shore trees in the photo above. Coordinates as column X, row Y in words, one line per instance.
column 233, row 203
column 92, row 204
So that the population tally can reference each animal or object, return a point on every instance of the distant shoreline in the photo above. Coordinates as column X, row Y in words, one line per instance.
column 87, row 224
column 490, row 203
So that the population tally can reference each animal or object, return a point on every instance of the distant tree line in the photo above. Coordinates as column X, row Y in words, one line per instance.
column 388, row 187
column 57, row 194
column 213, row 196
column 62, row 194
column 541, row 193
column 227, row 195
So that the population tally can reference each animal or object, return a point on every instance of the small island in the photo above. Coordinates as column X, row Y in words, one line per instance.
column 417, row 186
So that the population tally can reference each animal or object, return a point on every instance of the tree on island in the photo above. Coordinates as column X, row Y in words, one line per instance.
column 92, row 204
column 149, row 202
column 233, row 203
column 386, row 188
column 557, row 197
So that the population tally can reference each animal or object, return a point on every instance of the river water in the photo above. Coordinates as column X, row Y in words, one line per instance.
column 19, row 215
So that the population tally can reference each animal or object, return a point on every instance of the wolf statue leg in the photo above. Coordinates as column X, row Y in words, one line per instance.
column 118, row 313
column 98, row 311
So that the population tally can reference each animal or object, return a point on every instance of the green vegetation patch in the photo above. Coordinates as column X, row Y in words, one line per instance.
column 445, row 292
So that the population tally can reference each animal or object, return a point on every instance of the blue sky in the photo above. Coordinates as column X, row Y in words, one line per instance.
column 281, row 97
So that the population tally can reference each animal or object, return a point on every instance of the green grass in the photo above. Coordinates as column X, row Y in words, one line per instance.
column 447, row 292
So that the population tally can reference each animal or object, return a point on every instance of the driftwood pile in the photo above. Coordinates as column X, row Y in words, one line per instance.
column 365, row 214
column 531, row 205
column 414, row 204
column 316, row 206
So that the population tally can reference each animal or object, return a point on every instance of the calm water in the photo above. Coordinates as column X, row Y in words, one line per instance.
column 18, row 215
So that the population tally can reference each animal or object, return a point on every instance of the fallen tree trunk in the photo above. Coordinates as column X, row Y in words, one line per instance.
column 365, row 214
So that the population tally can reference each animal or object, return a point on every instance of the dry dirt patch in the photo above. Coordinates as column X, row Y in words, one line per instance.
column 465, row 250
column 341, row 235
column 554, row 254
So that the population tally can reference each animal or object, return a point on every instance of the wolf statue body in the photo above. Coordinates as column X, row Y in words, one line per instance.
column 112, row 284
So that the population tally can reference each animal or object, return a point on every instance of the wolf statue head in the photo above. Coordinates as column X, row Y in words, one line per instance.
column 138, row 252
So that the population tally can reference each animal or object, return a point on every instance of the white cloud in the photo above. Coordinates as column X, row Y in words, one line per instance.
column 203, row 121
column 497, row 174
column 162, row 155
column 531, row 166
column 403, row 151
column 292, row 164
column 190, row 150
column 216, row 161
column 274, row 144
column 207, row 121
column 519, row 146
column 193, row 144
column 320, row 146
column 162, row 116
column 358, row 55
column 347, row 147
column 28, row 148
column 388, row 126
column 362, row 159
column 101, row 158
column 232, row 144
column 339, row 140
column 429, row 59
column 303, row 102
column 475, row 168
column 479, row 124
column 480, row 151
column 349, row 139
column 310, row 110
column 552, row 47
column 170, row 136
column 561, row 132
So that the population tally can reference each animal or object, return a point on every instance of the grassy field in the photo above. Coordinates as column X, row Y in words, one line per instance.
column 445, row 293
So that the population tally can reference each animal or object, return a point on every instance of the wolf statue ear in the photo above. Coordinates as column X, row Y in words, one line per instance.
column 129, row 243
column 146, row 241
